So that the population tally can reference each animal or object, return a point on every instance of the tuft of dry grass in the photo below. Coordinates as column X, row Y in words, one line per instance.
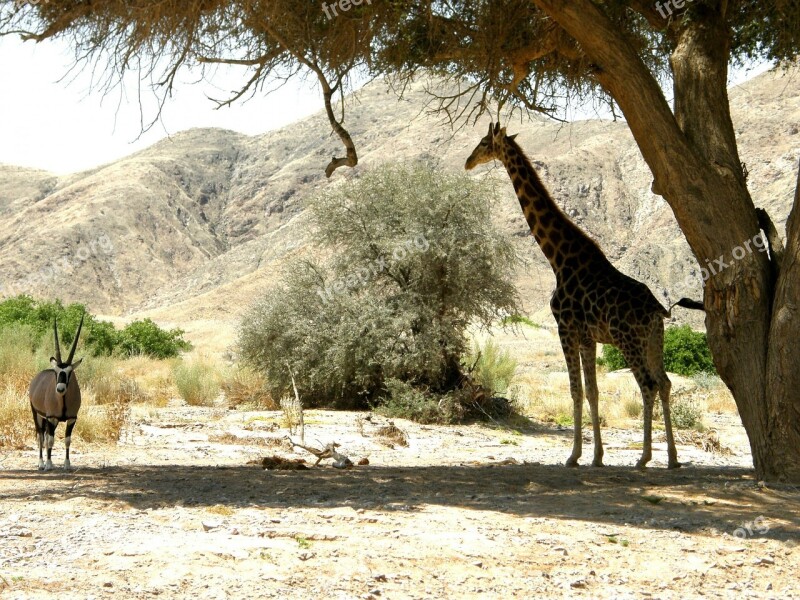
column 250, row 440
column 16, row 421
column 102, row 423
column 197, row 380
column 220, row 509
column 392, row 435
column 246, row 387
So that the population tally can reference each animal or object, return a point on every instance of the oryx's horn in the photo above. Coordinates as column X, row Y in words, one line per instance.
column 75, row 341
column 58, row 348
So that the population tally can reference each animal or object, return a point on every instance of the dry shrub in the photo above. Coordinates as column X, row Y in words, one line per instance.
column 197, row 380
column 250, row 440
column 707, row 441
column 16, row 420
column 102, row 423
column 18, row 363
column 392, row 435
column 248, row 388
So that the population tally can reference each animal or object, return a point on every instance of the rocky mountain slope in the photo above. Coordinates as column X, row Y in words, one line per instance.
column 193, row 229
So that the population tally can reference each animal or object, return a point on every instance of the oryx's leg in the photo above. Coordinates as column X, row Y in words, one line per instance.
column 68, row 440
column 38, row 422
column 50, row 438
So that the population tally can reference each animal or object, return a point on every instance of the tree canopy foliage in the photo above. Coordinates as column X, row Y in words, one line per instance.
column 511, row 50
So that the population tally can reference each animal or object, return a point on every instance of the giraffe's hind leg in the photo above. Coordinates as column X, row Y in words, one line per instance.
column 588, row 359
column 656, row 362
column 648, row 386
column 571, row 347
column 636, row 354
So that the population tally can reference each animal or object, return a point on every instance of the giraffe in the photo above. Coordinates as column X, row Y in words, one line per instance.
column 593, row 302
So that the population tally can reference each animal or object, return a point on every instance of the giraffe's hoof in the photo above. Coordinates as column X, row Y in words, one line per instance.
column 598, row 462
column 48, row 466
column 674, row 464
column 642, row 464
column 572, row 462
column 67, row 466
column 41, row 465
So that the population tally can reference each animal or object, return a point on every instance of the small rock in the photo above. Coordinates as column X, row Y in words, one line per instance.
column 210, row 525
column 561, row 550
column 364, row 461
column 579, row 583
column 108, row 584
column 764, row 560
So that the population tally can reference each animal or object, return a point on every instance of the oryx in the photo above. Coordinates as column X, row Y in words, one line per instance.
column 55, row 396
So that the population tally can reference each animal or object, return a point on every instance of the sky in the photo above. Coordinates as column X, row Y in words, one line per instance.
column 63, row 126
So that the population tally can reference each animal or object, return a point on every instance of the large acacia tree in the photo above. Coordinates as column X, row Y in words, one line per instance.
column 535, row 55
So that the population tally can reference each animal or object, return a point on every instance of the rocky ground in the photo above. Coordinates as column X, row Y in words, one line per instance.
column 176, row 510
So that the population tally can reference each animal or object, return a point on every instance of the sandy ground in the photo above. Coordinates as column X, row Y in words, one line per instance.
column 176, row 511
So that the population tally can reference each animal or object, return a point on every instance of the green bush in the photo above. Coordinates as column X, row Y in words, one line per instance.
column 404, row 401
column 493, row 369
column 519, row 320
column 145, row 337
column 413, row 259
column 686, row 353
column 686, row 413
column 98, row 338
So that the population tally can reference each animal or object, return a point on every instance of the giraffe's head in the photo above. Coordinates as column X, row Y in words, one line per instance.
column 490, row 148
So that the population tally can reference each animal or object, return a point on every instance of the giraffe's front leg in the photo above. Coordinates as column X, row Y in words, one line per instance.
column 588, row 359
column 648, row 388
column 572, row 355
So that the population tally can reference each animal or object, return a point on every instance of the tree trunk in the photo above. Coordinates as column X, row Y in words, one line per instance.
column 783, row 357
column 694, row 159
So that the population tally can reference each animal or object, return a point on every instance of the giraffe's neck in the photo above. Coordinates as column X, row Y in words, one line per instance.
column 557, row 236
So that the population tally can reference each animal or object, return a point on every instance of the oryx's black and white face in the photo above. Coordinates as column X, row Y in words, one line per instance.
column 63, row 374
column 64, row 369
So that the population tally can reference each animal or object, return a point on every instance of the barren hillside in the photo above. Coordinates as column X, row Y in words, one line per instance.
column 194, row 228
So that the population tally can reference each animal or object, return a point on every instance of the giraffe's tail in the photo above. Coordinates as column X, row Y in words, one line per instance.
column 688, row 303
